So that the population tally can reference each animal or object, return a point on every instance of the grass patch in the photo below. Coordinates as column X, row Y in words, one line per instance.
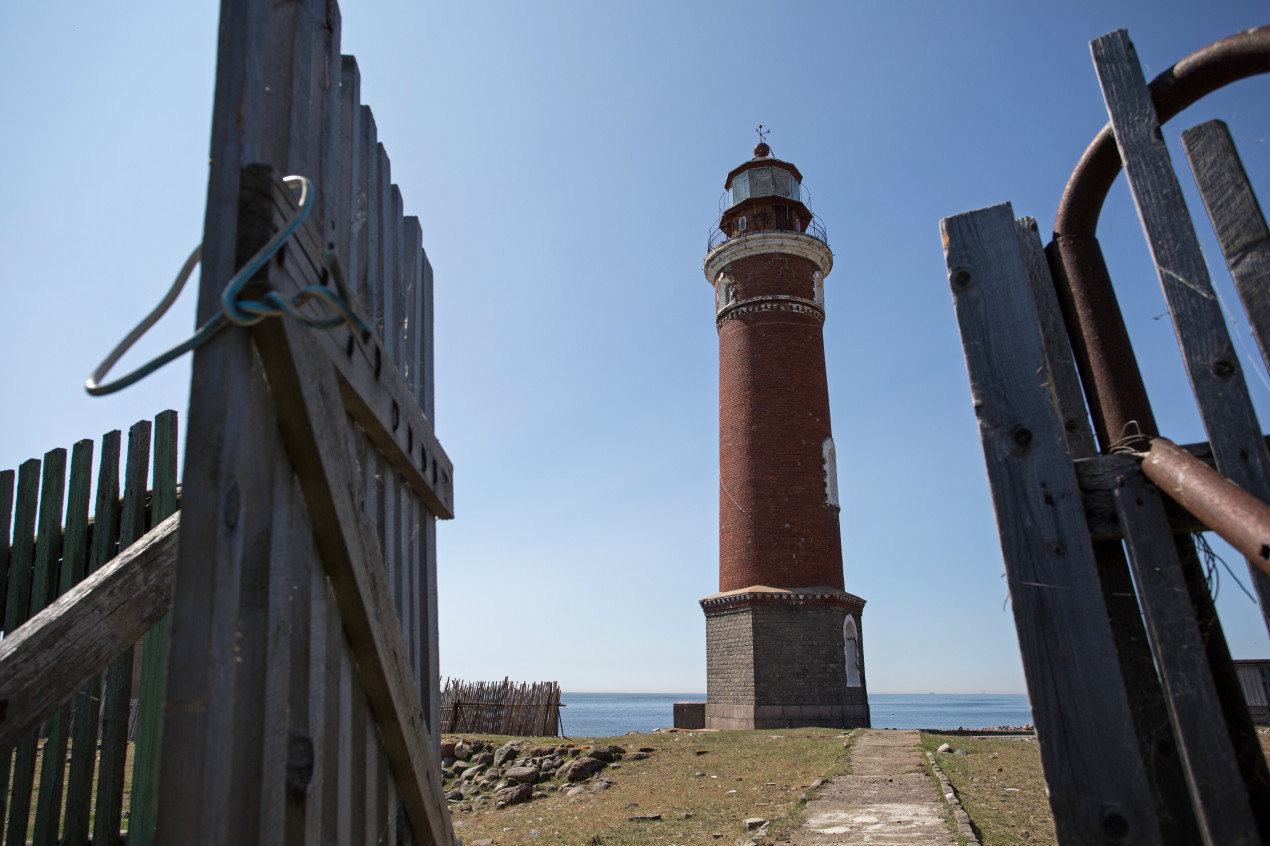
column 740, row 775
column 1001, row 786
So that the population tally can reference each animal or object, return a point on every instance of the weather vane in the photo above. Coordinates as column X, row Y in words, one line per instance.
column 763, row 132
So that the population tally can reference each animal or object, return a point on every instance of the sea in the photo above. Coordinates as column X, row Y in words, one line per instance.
column 610, row 714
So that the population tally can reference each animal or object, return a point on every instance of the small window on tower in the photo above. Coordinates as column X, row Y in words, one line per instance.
column 723, row 291
column 831, row 473
column 740, row 223
column 818, row 281
column 851, row 651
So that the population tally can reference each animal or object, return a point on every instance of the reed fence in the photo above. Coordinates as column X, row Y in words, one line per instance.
column 523, row 709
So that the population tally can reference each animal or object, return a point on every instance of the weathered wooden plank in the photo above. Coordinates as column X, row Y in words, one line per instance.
column 1217, row 790
column 117, row 690
column 430, row 677
column 79, row 787
column 428, row 403
column 223, row 493
column 352, row 199
column 48, row 552
column 84, row 629
column 6, row 522
column 1237, row 219
column 387, row 272
column 22, row 553
column 48, row 814
column 1058, row 351
column 1211, row 362
column 320, row 728
column 412, row 259
column 367, row 255
column 6, row 518
column 299, row 750
column 327, row 79
column 1097, row 783
column 144, row 804
column 348, row 726
column 377, row 396
column 313, row 425
column 268, row 749
column 16, row 612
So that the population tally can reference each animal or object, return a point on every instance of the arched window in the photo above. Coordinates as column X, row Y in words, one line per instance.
column 831, row 472
column 818, row 280
column 851, row 650
column 723, row 294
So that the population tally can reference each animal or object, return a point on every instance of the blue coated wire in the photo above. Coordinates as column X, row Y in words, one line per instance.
column 234, row 310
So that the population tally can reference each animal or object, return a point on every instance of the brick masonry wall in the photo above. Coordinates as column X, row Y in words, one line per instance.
column 774, row 525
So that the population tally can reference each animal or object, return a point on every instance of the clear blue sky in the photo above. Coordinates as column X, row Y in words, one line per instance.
column 565, row 160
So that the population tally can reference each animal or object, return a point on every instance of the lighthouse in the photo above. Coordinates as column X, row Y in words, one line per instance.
column 784, row 642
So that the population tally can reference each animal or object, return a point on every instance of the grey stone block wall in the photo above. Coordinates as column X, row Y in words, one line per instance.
column 730, row 657
column 781, row 666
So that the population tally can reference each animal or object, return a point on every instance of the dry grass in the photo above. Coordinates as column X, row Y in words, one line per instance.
column 35, row 790
column 740, row 775
column 1001, row 786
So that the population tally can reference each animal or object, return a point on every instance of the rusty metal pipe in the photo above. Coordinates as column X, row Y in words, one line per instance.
column 1104, row 355
column 1236, row 57
column 1237, row 516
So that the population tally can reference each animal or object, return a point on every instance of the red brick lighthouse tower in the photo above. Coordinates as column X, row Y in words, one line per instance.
column 783, row 638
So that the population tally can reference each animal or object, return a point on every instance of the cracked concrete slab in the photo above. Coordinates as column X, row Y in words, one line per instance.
column 888, row 799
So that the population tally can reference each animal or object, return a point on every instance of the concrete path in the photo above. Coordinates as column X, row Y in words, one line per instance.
column 888, row 798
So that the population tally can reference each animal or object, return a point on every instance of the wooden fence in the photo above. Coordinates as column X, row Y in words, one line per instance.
column 1143, row 731
column 51, row 553
column 299, row 701
column 528, row 710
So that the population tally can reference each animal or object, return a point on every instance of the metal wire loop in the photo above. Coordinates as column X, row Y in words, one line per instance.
column 236, row 310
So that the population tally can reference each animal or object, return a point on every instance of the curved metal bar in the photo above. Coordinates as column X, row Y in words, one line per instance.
column 1113, row 384
column 1237, row 57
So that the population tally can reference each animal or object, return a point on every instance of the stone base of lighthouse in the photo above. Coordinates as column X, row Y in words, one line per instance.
column 779, row 658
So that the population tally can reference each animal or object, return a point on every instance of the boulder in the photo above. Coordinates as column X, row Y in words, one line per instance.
column 636, row 756
column 472, row 772
column 486, row 758
column 505, row 752
column 515, row 794
column 542, row 751
column 581, row 768
column 617, row 750
column 522, row 775
column 447, row 748
column 462, row 751
column 944, row 747
column 754, row 822
column 600, row 753
column 459, row 766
